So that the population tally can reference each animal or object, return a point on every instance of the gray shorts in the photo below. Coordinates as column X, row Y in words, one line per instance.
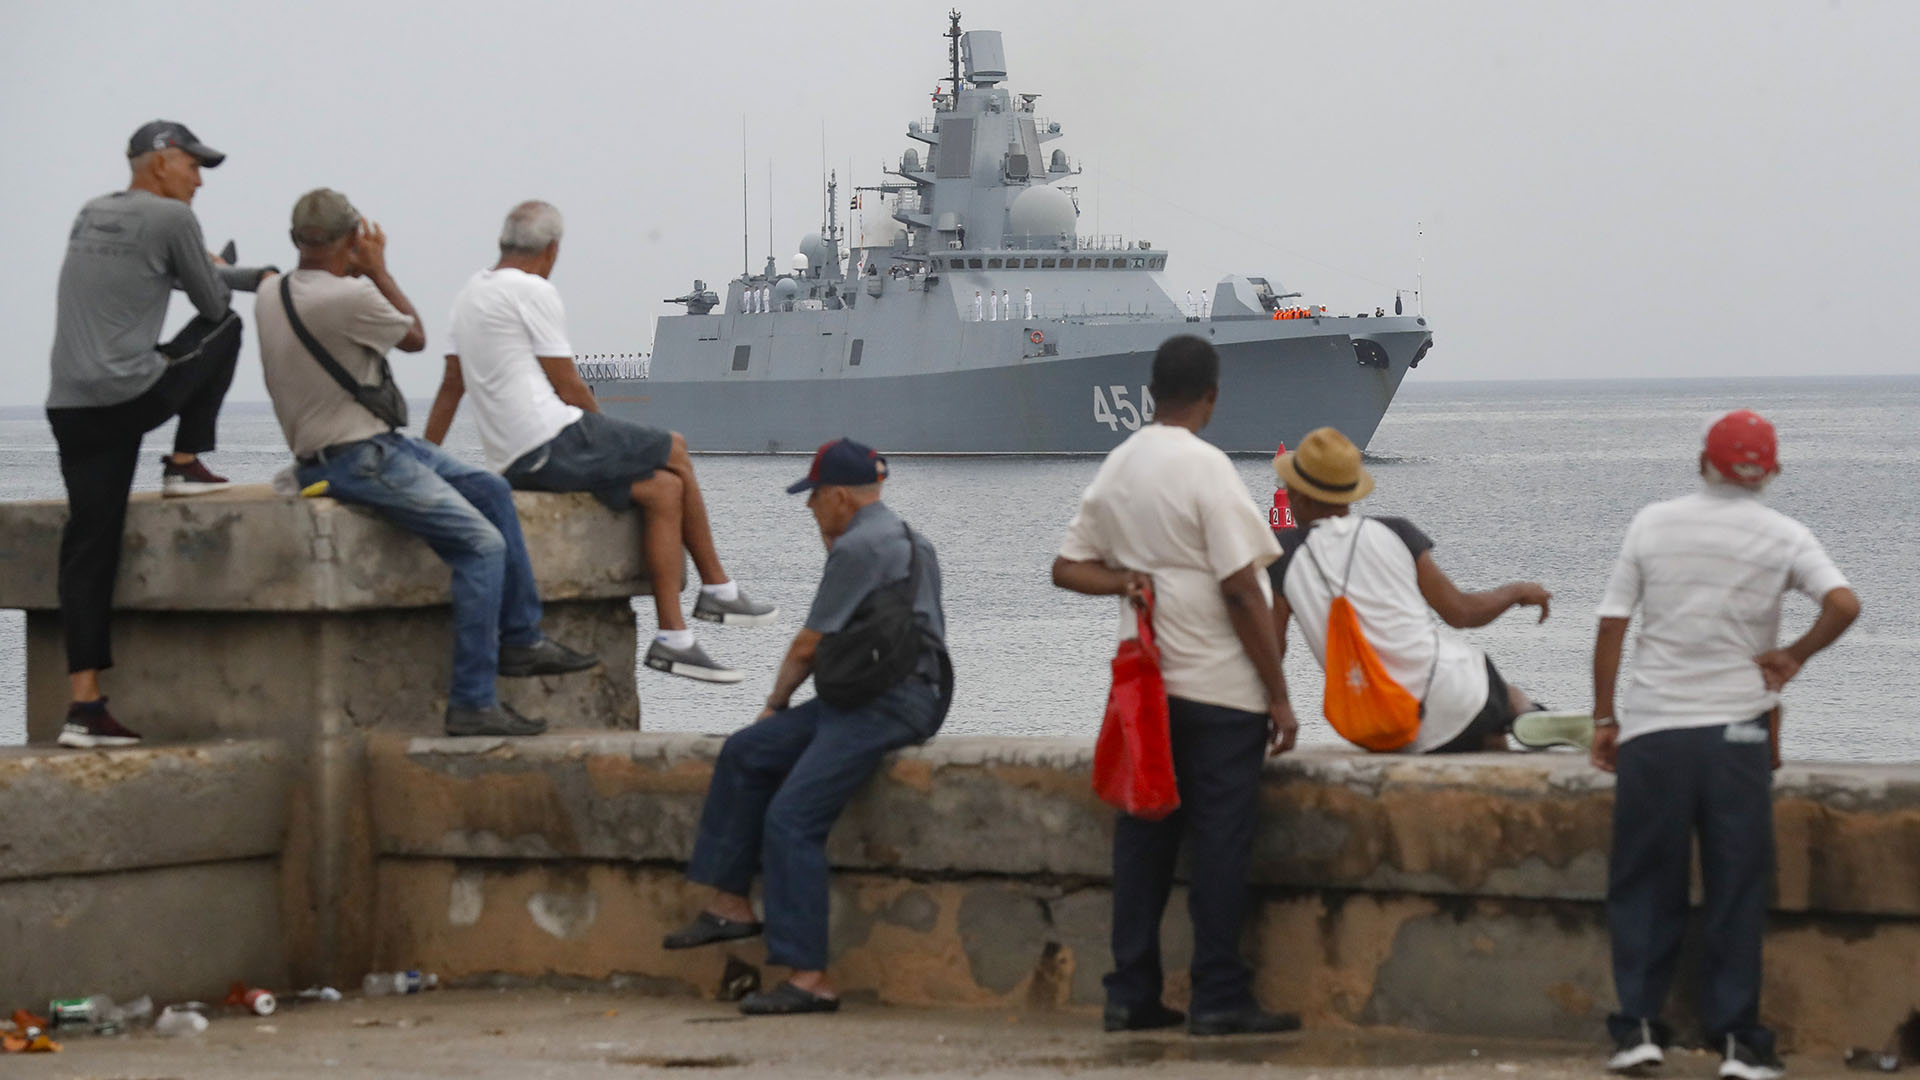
column 596, row 454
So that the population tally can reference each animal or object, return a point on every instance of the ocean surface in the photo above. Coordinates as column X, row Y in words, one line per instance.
column 1513, row 480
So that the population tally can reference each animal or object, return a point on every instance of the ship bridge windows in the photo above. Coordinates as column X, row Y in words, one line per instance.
column 1157, row 262
column 1098, row 264
column 1137, row 263
column 741, row 355
column 1086, row 264
column 1032, row 264
column 1049, row 263
column 974, row 264
column 993, row 264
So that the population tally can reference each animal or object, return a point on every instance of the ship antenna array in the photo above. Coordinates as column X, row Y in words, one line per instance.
column 746, row 260
column 953, row 49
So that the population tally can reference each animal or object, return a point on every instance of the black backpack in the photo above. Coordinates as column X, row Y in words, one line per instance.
column 878, row 648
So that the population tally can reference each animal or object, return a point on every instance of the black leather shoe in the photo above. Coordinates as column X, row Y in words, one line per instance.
column 1249, row 1021
column 543, row 657
column 708, row 929
column 1144, row 1018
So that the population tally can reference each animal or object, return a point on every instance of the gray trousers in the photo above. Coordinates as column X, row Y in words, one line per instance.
column 1715, row 783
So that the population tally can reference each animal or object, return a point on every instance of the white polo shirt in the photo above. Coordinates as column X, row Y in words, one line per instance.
column 1706, row 572
column 503, row 321
column 1428, row 660
column 1169, row 504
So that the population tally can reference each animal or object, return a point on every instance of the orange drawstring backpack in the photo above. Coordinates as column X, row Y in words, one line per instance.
column 1363, row 703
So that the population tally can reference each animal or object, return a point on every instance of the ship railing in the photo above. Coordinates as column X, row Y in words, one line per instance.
column 606, row 367
column 1058, row 311
column 1102, row 242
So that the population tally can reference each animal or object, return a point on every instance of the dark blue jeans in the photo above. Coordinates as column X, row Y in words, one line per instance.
column 778, row 787
column 465, row 514
column 1714, row 783
column 1218, row 755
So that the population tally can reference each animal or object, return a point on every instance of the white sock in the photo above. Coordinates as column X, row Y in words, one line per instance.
column 726, row 590
column 675, row 639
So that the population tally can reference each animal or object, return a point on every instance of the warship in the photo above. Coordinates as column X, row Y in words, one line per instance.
column 964, row 312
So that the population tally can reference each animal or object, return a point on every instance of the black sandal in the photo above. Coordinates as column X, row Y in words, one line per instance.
column 707, row 929
column 786, row 1000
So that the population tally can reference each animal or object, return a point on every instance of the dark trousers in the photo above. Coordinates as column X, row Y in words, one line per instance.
column 778, row 787
column 99, row 448
column 1716, row 783
column 1218, row 754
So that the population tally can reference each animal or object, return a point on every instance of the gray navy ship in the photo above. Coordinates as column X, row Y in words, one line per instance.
column 963, row 312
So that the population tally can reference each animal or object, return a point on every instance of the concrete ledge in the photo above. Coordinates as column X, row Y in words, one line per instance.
column 93, row 812
column 1518, row 826
column 248, row 549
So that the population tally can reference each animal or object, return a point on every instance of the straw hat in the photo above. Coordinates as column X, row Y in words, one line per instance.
column 1325, row 466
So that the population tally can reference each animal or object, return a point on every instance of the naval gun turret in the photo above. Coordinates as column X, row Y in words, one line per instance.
column 699, row 299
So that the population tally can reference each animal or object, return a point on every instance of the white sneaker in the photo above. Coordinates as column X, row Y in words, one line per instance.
column 1635, row 1056
column 1743, row 1062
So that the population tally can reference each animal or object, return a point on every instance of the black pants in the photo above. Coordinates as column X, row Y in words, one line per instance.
column 1217, row 757
column 1716, row 782
column 99, row 448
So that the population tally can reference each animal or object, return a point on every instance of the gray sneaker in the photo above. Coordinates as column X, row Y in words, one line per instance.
column 742, row 610
column 692, row 662
column 1543, row 730
column 543, row 657
column 501, row 719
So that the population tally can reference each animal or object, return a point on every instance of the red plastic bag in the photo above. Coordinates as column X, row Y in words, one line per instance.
column 1133, row 761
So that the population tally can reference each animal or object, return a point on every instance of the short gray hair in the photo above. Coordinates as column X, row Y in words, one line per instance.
column 530, row 227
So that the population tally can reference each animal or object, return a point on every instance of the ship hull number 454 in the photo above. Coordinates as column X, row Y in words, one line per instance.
column 1112, row 406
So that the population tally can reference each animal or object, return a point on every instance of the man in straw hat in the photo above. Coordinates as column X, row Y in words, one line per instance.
column 1168, row 509
column 1706, row 572
column 1387, row 567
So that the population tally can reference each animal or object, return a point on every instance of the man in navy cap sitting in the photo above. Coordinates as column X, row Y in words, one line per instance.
column 875, row 645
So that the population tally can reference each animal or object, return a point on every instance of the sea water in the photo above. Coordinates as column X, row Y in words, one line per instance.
column 1513, row 481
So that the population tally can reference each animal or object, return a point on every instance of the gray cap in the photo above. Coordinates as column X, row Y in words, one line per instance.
column 322, row 216
column 161, row 134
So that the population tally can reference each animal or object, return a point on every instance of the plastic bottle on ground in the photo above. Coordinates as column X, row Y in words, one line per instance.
column 176, row 1022
column 382, row 983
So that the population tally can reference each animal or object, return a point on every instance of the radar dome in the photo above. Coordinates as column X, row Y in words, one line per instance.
column 817, row 251
column 1042, row 211
column 785, row 289
column 800, row 263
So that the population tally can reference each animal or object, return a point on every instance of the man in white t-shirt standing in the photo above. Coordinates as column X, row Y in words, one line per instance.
column 1691, row 742
column 1385, row 568
column 542, row 429
column 1167, row 509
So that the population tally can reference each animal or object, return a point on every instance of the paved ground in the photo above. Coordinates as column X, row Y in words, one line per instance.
column 483, row 1035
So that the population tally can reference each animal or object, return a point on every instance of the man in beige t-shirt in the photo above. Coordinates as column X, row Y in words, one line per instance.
column 354, row 311
column 1168, row 509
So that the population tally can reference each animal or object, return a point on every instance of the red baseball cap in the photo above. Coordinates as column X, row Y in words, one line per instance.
column 1741, row 445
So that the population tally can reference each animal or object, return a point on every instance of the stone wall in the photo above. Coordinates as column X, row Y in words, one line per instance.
column 1456, row 895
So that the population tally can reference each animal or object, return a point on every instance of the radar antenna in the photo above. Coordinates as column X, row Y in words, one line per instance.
column 953, row 49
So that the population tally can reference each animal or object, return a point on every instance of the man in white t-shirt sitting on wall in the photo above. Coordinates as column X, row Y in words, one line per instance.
column 1691, row 743
column 1396, row 587
column 543, row 430
column 1167, row 509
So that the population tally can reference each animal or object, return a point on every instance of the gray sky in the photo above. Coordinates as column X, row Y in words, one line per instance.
column 1719, row 187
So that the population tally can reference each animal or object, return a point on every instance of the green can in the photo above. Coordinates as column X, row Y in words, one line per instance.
column 70, row 1013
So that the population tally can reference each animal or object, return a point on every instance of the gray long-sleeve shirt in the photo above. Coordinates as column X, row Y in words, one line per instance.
column 126, row 254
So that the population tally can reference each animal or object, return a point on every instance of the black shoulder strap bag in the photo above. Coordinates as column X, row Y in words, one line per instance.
column 384, row 401
column 880, row 646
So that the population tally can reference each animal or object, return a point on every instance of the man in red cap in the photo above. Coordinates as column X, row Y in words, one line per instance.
column 1690, row 742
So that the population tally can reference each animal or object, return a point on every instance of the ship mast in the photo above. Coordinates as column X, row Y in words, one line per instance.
column 953, row 49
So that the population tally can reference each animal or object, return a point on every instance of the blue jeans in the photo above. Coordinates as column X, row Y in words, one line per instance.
column 465, row 514
column 778, row 787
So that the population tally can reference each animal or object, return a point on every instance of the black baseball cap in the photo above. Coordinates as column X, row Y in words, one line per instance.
column 160, row 134
column 842, row 463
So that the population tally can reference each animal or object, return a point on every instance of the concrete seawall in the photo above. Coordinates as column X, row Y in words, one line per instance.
column 306, row 827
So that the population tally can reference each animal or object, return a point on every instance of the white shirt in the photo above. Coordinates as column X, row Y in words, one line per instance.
column 1384, row 588
column 502, row 321
column 1169, row 504
column 1707, row 571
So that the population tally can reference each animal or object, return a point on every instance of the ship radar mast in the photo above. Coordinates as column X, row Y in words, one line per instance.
column 953, row 48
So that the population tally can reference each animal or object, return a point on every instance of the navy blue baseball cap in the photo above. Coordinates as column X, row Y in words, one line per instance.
column 160, row 134
column 842, row 463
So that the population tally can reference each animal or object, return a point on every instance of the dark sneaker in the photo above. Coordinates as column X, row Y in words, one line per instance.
column 1249, row 1021
column 193, row 478
column 708, row 929
column 785, row 1000
column 1636, row 1053
column 742, row 610
column 543, row 657
column 499, row 720
column 1742, row 1062
column 88, row 728
column 1543, row 730
column 692, row 662
column 1144, row 1018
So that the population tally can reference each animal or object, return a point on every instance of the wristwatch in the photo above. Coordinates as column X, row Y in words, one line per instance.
column 1605, row 721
